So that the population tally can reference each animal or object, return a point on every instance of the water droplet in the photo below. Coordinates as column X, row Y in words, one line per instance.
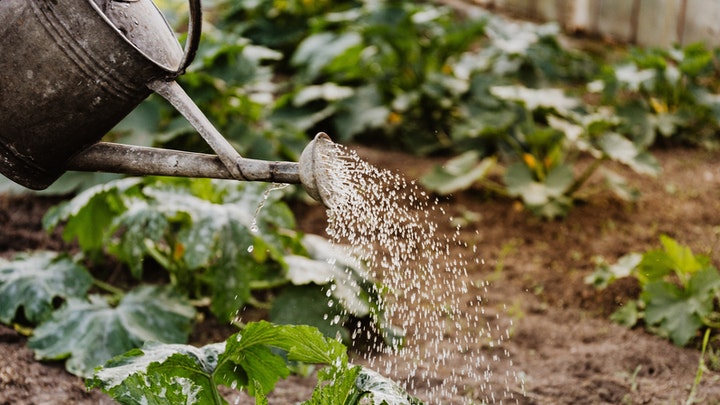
column 266, row 194
column 385, row 222
column 250, row 248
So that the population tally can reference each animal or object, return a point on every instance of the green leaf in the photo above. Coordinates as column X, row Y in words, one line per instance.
column 358, row 385
column 33, row 281
column 680, row 312
column 657, row 264
column 633, row 78
column 325, row 91
column 458, row 173
column 621, row 149
column 354, row 291
column 683, row 259
column 250, row 351
column 654, row 266
column 230, row 281
column 380, row 390
column 210, row 245
column 161, row 374
column 667, row 124
column 260, row 398
column 306, row 344
column 88, row 216
column 705, row 283
column 348, row 280
column 605, row 274
column 225, row 240
column 303, row 343
column 546, row 199
column 136, row 227
column 518, row 179
column 365, row 110
column 620, row 187
column 91, row 332
column 628, row 315
column 308, row 305
column 318, row 50
column 173, row 373
column 348, row 286
column 672, row 310
column 536, row 98
column 617, row 147
column 336, row 388
column 559, row 180
column 520, row 182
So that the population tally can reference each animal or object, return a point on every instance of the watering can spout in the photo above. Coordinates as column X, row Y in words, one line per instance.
column 137, row 160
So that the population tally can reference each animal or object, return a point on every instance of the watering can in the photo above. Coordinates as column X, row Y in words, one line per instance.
column 70, row 70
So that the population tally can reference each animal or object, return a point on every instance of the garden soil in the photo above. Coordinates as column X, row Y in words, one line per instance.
column 561, row 345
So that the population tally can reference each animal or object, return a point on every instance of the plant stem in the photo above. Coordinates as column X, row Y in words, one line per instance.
column 259, row 304
column 700, row 369
column 268, row 284
column 216, row 394
column 584, row 176
column 494, row 187
column 108, row 287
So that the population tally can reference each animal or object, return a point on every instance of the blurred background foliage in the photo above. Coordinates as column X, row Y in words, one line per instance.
column 516, row 105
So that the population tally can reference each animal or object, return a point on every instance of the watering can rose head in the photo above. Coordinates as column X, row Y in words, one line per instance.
column 316, row 162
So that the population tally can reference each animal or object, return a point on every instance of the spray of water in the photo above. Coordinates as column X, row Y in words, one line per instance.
column 387, row 222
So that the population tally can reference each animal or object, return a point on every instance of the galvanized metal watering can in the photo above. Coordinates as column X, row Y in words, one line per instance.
column 72, row 69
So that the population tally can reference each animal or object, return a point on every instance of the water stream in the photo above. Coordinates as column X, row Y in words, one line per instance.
column 451, row 344
column 263, row 200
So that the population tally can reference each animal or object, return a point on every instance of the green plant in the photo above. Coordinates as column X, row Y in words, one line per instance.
column 34, row 281
column 277, row 24
column 87, row 330
column 667, row 92
column 381, row 69
column 208, row 242
column 161, row 373
column 526, row 52
column 680, row 291
column 548, row 136
column 204, row 235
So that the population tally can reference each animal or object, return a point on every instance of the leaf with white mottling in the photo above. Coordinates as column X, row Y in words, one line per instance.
column 536, row 98
column 161, row 374
column 621, row 149
column 88, row 333
column 31, row 282
column 381, row 390
column 458, row 173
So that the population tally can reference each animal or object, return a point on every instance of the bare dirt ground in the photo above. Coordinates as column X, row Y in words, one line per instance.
column 561, row 344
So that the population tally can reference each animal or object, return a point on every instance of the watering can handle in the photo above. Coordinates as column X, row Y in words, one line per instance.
column 193, row 36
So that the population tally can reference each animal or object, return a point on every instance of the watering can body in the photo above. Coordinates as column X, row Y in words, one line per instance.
column 70, row 70
column 68, row 74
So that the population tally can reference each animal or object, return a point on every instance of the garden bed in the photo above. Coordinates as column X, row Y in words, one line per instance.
column 561, row 343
